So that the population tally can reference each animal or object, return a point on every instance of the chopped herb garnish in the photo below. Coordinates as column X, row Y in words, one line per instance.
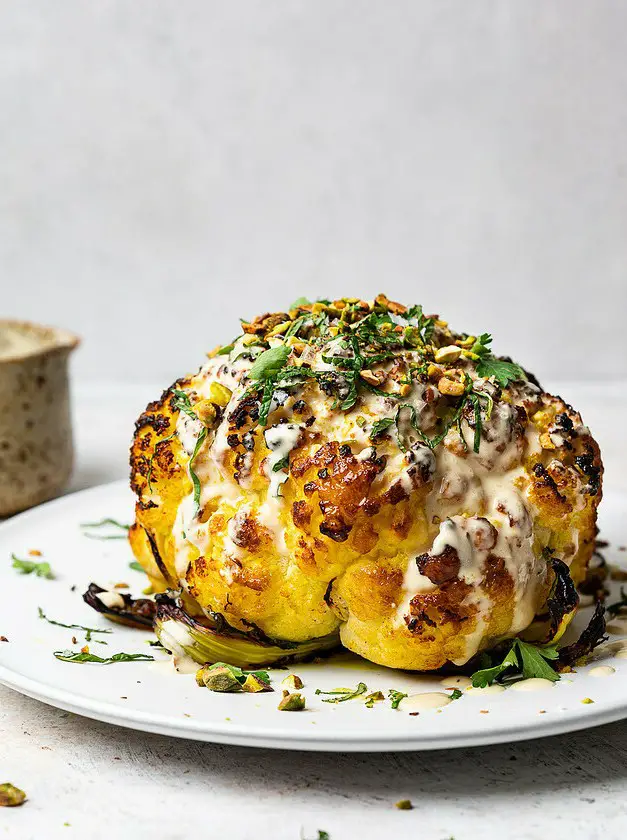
column 339, row 695
column 456, row 694
column 135, row 566
column 224, row 351
column 87, row 630
column 396, row 697
column 380, row 426
column 85, row 656
column 283, row 464
column 88, row 527
column 29, row 567
column 192, row 473
column 181, row 402
column 373, row 698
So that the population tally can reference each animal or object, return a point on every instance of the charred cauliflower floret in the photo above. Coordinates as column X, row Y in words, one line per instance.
column 357, row 467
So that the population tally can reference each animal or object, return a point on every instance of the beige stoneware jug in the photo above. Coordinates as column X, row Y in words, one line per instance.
column 36, row 451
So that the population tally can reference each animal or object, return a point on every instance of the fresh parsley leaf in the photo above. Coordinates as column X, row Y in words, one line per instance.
column 87, row 630
column 534, row 661
column 28, row 567
column 269, row 363
column 396, row 697
column 135, row 566
column 342, row 694
column 79, row 656
column 301, row 301
column 503, row 372
column 456, row 694
column 523, row 657
column 88, row 527
column 486, row 676
column 481, row 347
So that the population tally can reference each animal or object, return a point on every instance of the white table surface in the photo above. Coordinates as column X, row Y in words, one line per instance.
column 91, row 780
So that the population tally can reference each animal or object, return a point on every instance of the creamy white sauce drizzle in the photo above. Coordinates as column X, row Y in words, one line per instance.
column 495, row 688
column 424, row 701
column 601, row 671
column 532, row 684
column 112, row 600
column 280, row 440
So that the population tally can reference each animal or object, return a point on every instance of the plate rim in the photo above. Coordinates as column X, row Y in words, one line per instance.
column 370, row 740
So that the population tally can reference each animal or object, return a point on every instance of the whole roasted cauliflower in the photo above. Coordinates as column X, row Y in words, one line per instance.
column 358, row 467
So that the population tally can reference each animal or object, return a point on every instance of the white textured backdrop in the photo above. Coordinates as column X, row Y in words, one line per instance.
column 169, row 165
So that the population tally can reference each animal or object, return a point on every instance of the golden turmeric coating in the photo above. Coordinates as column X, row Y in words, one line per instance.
column 358, row 466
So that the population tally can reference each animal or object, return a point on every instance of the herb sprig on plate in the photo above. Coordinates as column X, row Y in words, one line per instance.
column 86, row 656
column 87, row 630
column 29, row 567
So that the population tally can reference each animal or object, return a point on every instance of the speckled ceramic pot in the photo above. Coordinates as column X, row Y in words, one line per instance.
column 36, row 451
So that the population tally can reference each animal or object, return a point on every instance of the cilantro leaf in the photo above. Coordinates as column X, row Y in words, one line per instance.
column 268, row 365
column 27, row 567
column 503, row 372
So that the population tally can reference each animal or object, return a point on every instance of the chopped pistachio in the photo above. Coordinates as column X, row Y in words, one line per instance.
column 404, row 805
column 372, row 377
column 206, row 412
column 219, row 394
column 253, row 684
column 450, row 388
column 291, row 702
column 292, row 681
column 450, row 353
column 546, row 442
column 218, row 679
column 11, row 796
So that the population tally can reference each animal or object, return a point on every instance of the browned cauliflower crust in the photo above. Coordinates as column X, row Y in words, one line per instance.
column 358, row 466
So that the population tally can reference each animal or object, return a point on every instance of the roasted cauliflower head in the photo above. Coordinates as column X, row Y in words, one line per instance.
column 358, row 467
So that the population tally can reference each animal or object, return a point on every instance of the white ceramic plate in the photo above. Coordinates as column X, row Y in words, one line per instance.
column 150, row 696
